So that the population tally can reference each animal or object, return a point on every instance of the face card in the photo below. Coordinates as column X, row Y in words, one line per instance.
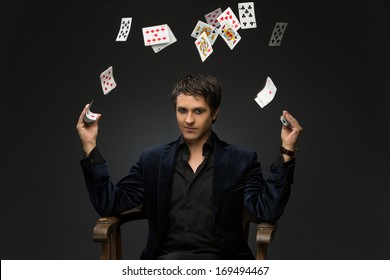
column 203, row 45
column 246, row 13
column 277, row 34
column 90, row 117
column 212, row 17
column 159, row 47
column 124, row 29
column 201, row 27
column 107, row 80
column 230, row 35
column 154, row 35
column 229, row 16
column 266, row 95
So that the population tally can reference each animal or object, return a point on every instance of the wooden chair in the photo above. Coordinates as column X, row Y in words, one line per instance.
column 108, row 232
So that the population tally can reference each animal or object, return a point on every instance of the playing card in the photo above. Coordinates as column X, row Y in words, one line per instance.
column 124, row 29
column 246, row 13
column 107, row 80
column 203, row 45
column 201, row 27
column 90, row 116
column 277, row 34
column 159, row 47
column 266, row 95
column 284, row 121
column 212, row 17
column 229, row 16
column 230, row 35
column 154, row 35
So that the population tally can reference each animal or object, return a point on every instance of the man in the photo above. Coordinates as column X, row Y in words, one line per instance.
column 194, row 189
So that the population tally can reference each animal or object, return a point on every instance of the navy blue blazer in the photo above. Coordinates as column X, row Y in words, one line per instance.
column 238, row 183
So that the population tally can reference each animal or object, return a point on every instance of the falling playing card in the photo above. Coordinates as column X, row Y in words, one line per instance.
column 107, row 80
column 277, row 34
column 230, row 35
column 203, row 45
column 201, row 27
column 229, row 16
column 159, row 47
column 124, row 29
column 154, row 35
column 246, row 12
column 89, row 116
column 212, row 17
column 266, row 95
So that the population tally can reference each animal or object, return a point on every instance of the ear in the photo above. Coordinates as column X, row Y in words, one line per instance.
column 215, row 114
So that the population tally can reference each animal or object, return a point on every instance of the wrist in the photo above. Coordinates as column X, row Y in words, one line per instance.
column 287, row 151
column 88, row 147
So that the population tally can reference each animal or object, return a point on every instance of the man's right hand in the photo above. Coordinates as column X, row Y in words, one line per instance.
column 88, row 132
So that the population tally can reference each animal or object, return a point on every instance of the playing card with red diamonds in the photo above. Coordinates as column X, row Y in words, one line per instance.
column 89, row 116
column 230, row 17
column 154, row 35
column 212, row 17
column 107, row 80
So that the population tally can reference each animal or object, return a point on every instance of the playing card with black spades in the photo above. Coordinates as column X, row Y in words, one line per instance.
column 124, row 29
column 277, row 34
column 201, row 27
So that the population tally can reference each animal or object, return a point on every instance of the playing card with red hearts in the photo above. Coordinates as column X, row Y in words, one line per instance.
column 212, row 17
column 230, row 17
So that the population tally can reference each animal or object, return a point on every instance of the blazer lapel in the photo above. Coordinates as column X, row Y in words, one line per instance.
column 221, row 163
column 164, row 184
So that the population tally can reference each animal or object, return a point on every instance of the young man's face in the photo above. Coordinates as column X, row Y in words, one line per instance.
column 194, row 118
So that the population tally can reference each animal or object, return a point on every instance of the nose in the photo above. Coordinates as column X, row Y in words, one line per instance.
column 190, row 118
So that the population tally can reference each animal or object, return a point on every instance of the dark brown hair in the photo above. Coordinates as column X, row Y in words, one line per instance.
column 199, row 85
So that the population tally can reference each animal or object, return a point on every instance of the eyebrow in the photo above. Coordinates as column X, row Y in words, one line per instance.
column 196, row 108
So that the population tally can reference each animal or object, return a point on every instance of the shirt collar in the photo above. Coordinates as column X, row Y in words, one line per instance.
column 207, row 146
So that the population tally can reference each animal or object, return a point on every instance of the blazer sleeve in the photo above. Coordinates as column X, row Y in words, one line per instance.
column 107, row 197
column 267, row 199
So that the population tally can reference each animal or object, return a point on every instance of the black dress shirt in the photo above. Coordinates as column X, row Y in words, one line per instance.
column 191, row 226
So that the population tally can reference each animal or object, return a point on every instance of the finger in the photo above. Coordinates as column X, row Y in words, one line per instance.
column 81, row 117
column 291, row 119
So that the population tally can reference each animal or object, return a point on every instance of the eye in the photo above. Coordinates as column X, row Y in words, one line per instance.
column 181, row 110
column 199, row 111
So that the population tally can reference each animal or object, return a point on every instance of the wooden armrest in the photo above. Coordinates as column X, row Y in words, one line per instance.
column 264, row 235
column 107, row 231
column 265, row 232
column 104, row 227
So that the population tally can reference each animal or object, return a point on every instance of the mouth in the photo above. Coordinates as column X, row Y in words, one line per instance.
column 189, row 129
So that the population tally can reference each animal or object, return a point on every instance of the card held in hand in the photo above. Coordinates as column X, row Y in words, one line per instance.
column 107, row 80
column 89, row 116
column 154, row 35
column 203, row 45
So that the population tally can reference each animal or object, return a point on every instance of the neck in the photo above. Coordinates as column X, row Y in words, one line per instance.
column 197, row 146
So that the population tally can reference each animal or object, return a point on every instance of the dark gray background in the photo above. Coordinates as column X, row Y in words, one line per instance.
column 331, row 71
